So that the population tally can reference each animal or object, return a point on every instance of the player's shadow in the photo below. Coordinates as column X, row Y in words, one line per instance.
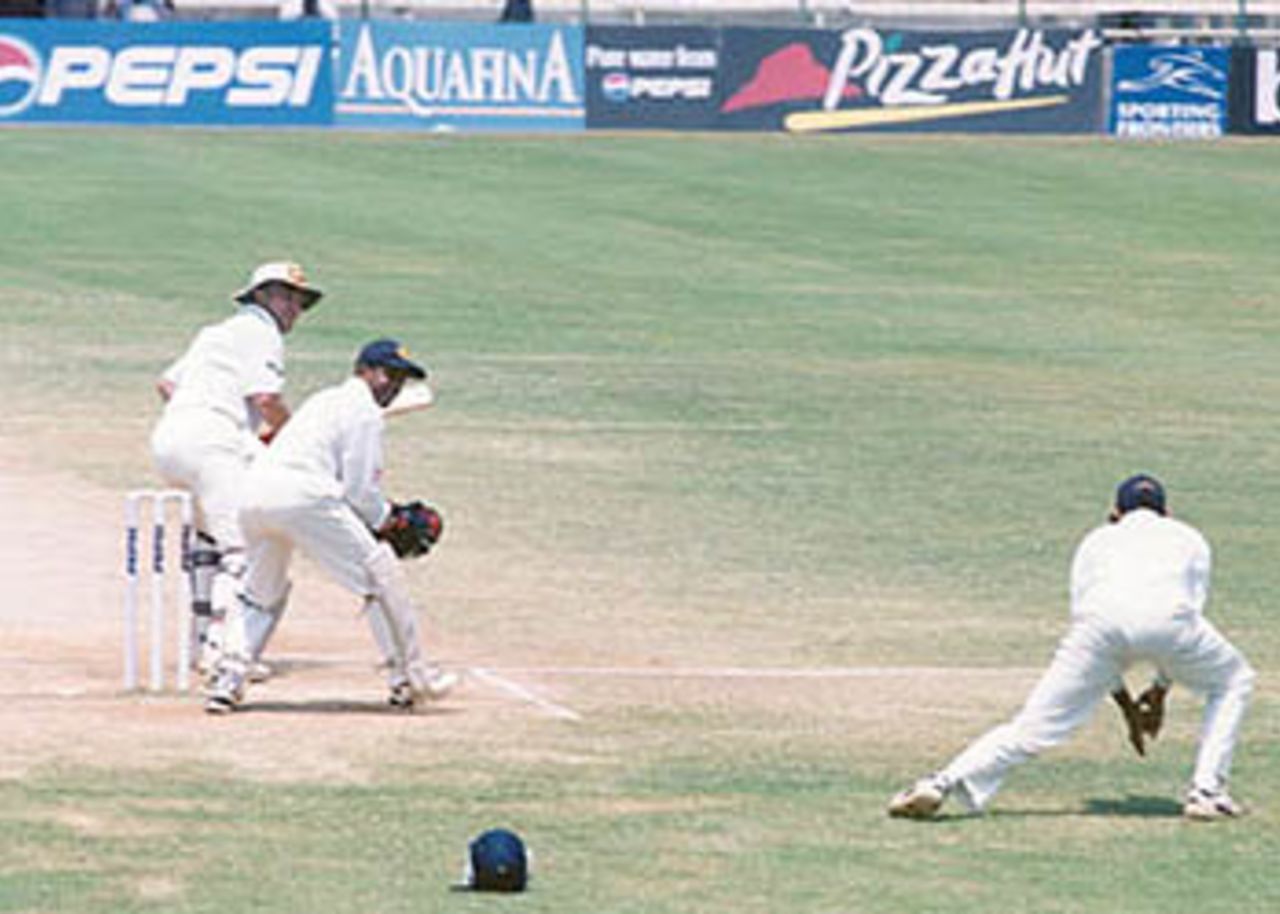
column 1130, row 806
column 283, row 667
column 1140, row 807
column 339, row 706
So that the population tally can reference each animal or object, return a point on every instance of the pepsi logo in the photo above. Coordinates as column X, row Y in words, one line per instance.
column 19, row 75
column 616, row 87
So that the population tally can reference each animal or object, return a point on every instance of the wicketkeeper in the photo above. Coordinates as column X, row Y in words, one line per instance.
column 224, row 392
column 317, row 487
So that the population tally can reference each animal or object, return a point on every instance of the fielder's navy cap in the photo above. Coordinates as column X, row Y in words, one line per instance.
column 387, row 353
column 497, row 863
column 1140, row 491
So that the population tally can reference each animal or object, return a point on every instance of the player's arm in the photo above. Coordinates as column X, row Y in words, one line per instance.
column 274, row 412
column 167, row 383
column 263, row 380
column 362, row 474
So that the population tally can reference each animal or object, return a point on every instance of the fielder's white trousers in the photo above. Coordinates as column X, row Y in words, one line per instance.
column 1086, row 667
column 208, row 456
column 283, row 509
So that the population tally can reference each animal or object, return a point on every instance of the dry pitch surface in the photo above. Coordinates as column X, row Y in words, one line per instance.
column 322, row 718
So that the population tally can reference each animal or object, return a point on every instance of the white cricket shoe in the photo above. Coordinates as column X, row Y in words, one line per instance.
column 1210, row 805
column 401, row 697
column 439, row 683
column 259, row 671
column 921, row 800
column 435, row 685
column 226, row 693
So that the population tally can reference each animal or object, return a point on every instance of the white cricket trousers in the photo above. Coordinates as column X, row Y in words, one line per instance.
column 208, row 456
column 1086, row 668
column 282, row 510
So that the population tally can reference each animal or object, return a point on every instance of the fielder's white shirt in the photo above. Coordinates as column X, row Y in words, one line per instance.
column 333, row 446
column 1143, row 569
column 227, row 363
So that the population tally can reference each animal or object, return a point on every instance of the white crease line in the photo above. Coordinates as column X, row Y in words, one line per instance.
column 737, row 672
column 524, row 694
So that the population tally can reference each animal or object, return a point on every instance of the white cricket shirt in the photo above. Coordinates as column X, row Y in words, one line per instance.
column 227, row 363
column 334, row 443
column 1143, row 568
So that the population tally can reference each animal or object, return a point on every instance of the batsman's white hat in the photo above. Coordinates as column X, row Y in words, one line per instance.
column 281, row 271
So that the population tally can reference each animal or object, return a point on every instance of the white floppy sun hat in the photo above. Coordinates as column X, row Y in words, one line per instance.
column 282, row 271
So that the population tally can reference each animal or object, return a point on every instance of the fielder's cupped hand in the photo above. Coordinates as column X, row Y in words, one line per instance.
column 1132, row 719
column 1150, row 708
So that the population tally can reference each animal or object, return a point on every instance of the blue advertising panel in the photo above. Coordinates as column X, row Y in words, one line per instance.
column 459, row 76
column 1173, row 92
column 807, row 81
column 165, row 73
column 659, row 77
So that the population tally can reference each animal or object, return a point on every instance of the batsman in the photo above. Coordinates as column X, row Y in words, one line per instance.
column 224, row 392
column 317, row 487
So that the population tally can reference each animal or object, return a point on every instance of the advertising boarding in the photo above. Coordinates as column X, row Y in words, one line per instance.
column 459, row 76
column 654, row 78
column 165, row 73
column 807, row 81
column 1255, row 90
column 1169, row 92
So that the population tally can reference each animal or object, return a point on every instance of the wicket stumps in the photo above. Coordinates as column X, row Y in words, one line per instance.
column 134, row 505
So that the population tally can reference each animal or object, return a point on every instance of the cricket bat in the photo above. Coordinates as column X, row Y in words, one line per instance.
column 414, row 396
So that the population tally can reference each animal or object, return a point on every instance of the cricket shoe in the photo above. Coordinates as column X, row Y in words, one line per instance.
column 435, row 686
column 921, row 800
column 439, row 683
column 401, row 697
column 226, row 694
column 259, row 671
column 1210, row 805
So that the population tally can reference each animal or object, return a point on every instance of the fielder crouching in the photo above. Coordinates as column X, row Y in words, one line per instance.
column 317, row 487
column 1139, row 585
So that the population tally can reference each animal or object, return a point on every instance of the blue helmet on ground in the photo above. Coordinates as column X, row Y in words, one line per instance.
column 498, row 862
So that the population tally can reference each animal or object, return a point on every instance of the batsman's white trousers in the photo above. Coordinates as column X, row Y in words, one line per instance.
column 208, row 456
column 1086, row 667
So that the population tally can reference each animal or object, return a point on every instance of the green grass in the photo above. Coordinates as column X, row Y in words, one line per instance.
column 750, row 400
column 790, row 826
